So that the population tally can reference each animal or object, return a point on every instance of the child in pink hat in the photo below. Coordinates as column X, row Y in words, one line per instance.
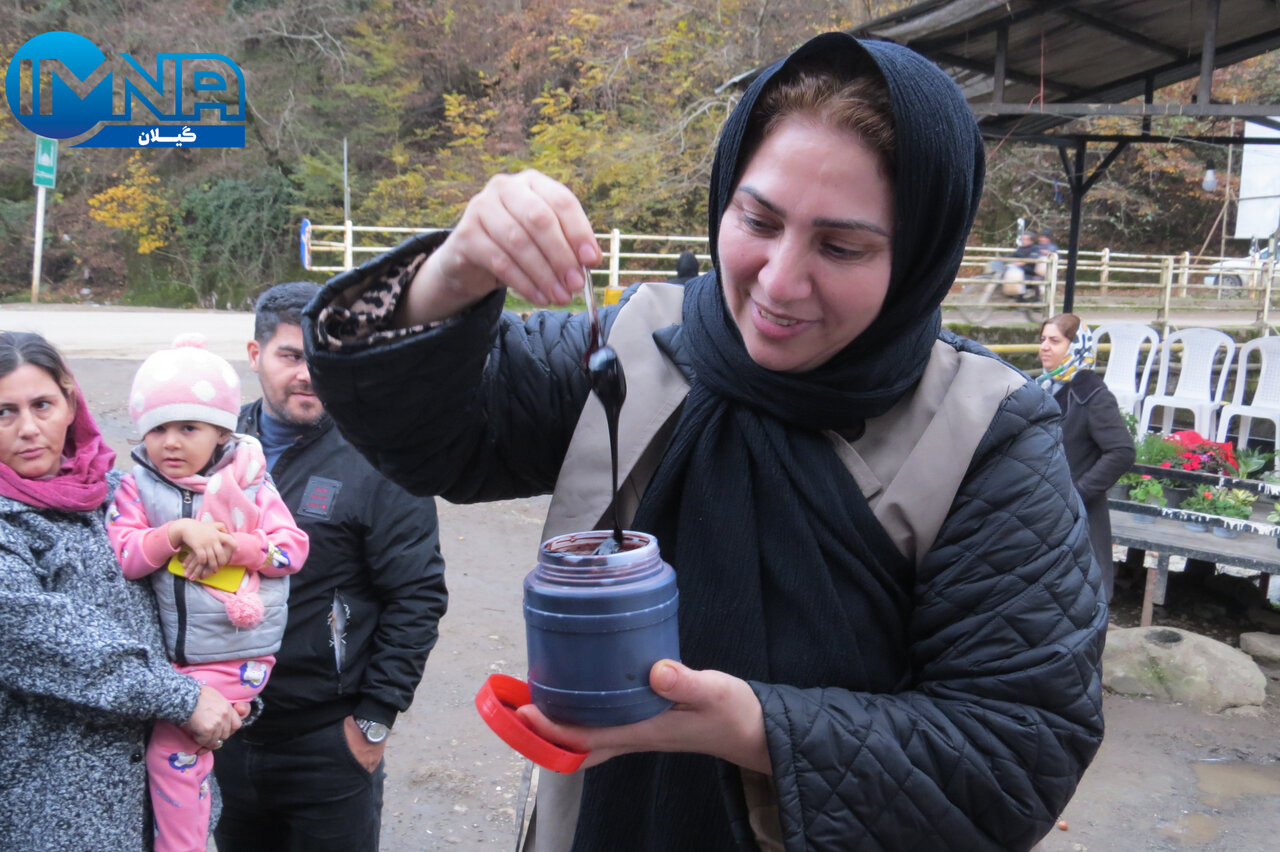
column 199, row 509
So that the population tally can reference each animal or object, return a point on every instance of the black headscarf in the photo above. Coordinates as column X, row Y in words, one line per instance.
column 785, row 575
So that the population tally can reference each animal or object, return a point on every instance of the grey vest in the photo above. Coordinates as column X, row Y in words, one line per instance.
column 909, row 463
column 196, row 626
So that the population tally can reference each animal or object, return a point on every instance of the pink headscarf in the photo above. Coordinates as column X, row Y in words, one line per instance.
column 81, row 482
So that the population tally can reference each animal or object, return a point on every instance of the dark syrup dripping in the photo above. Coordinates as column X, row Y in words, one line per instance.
column 610, row 386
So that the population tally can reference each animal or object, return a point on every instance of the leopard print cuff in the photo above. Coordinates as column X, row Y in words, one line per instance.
column 358, row 316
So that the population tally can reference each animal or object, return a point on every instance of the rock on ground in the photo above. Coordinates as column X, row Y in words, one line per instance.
column 1263, row 647
column 1181, row 666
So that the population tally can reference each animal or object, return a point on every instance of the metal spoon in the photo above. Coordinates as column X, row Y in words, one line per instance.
column 610, row 386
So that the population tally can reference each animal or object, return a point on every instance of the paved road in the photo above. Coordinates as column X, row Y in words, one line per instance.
column 112, row 332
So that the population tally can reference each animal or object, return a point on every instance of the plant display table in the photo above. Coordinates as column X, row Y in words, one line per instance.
column 1255, row 549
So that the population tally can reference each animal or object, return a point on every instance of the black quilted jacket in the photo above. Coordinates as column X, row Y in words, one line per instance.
column 1004, row 710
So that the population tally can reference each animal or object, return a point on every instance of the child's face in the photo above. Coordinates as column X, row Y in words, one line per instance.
column 183, row 447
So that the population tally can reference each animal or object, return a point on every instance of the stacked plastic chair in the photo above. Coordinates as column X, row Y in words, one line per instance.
column 1122, row 376
column 1196, row 389
column 1265, row 400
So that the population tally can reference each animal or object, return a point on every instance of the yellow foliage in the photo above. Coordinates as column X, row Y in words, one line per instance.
column 468, row 120
column 136, row 206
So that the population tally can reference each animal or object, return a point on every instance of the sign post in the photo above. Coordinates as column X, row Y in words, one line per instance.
column 44, row 177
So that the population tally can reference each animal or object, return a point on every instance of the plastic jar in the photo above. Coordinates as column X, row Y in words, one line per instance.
column 595, row 624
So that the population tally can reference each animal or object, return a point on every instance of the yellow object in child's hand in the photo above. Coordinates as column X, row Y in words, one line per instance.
column 227, row 577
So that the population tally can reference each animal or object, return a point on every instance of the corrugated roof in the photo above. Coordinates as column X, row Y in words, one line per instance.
column 1077, row 51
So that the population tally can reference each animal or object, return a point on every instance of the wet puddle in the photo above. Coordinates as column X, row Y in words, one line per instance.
column 1193, row 830
column 1221, row 782
column 1221, row 786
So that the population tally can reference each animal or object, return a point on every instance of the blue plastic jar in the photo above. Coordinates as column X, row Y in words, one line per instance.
column 595, row 624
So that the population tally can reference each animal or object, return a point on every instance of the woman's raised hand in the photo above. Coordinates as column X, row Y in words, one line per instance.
column 527, row 232
column 714, row 713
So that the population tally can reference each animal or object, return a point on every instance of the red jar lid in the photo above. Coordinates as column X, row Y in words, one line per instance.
column 497, row 702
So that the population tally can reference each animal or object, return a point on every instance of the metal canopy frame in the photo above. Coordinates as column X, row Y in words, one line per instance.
column 1031, row 66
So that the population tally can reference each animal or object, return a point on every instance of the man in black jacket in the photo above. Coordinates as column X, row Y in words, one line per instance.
column 363, row 615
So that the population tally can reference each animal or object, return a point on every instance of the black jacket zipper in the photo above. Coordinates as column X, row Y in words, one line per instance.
column 180, row 597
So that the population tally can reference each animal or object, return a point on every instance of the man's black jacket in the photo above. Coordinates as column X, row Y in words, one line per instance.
column 364, row 609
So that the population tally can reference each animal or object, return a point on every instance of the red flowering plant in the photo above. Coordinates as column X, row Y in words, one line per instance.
column 1203, row 455
column 1229, row 503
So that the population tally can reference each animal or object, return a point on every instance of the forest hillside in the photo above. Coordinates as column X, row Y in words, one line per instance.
column 620, row 99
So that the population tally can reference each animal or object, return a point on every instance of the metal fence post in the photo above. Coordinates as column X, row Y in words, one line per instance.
column 1184, row 275
column 1166, row 302
column 1264, row 310
column 615, row 248
column 1051, row 285
column 348, row 243
column 1104, row 273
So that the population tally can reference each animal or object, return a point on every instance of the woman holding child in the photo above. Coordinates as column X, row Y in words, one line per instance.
column 83, row 671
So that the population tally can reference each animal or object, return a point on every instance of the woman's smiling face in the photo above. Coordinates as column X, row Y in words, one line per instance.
column 805, row 244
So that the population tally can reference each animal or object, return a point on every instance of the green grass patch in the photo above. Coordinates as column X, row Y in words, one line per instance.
column 154, row 293
column 524, row 307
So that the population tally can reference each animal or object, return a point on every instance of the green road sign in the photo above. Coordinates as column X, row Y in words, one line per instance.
column 46, row 173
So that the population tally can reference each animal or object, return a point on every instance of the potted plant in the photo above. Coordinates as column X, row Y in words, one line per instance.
column 1223, row 502
column 1159, row 451
column 1120, row 491
column 1270, row 478
column 1147, row 490
column 1250, row 461
column 1156, row 449
column 1202, row 455
column 1234, row 503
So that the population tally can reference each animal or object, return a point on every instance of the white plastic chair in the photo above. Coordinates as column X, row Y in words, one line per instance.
column 1121, row 376
column 1265, row 402
column 1195, row 390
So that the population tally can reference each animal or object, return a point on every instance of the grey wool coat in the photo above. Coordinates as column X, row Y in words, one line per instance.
column 83, row 676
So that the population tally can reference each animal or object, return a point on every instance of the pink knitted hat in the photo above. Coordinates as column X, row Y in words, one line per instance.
column 186, row 382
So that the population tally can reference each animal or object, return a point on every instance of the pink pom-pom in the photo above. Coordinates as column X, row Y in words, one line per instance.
column 194, row 339
column 245, row 609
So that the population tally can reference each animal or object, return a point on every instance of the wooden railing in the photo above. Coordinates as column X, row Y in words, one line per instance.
column 1153, row 288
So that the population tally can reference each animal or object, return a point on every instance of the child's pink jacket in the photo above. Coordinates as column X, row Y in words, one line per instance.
column 142, row 549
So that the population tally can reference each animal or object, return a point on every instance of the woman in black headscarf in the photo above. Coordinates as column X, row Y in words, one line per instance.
column 890, row 621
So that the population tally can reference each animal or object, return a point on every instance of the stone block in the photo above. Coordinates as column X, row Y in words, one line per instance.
column 1180, row 666
column 1263, row 647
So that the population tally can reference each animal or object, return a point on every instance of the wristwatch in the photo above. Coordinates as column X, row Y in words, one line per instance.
column 374, row 732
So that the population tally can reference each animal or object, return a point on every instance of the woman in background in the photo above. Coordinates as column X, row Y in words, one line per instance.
column 1098, row 444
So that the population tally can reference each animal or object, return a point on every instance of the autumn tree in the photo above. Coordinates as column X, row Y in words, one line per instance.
column 136, row 205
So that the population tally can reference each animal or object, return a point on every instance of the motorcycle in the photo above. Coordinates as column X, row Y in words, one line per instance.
column 1004, row 282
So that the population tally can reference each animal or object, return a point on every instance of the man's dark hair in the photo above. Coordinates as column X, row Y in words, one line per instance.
column 687, row 265
column 282, row 303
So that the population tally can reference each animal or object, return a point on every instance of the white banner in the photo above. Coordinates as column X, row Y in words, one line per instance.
column 1258, row 213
